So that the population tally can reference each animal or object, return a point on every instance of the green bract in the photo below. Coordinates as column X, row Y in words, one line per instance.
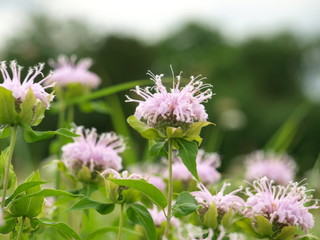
column 30, row 111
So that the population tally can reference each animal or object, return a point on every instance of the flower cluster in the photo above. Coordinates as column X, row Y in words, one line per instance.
column 173, row 107
column 67, row 71
column 93, row 151
column 223, row 202
column 20, row 89
column 280, row 204
column 207, row 164
column 279, row 167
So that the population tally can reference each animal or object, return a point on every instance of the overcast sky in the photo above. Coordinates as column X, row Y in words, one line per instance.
column 152, row 20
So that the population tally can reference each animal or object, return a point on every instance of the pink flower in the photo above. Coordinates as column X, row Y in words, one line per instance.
column 67, row 71
column 280, row 168
column 280, row 204
column 223, row 202
column 178, row 105
column 19, row 90
column 207, row 164
column 94, row 151
column 159, row 217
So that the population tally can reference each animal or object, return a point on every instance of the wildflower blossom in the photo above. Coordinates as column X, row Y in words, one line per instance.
column 67, row 71
column 223, row 202
column 174, row 107
column 280, row 204
column 280, row 168
column 159, row 217
column 207, row 164
column 20, row 89
column 94, row 151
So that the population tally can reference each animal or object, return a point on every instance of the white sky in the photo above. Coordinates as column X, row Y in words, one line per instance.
column 151, row 20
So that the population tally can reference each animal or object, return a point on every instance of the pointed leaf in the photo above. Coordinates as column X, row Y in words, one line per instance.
column 188, row 153
column 144, row 129
column 173, row 132
column 246, row 225
column 30, row 136
column 287, row 233
column 26, row 114
column 158, row 149
column 264, row 227
column 61, row 227
column 140, row 215
column 5, row 131
column 210, row 218
column 193, row 133
column 185, row 205
column 100, row 207
column 148, row 189
column 8, row 114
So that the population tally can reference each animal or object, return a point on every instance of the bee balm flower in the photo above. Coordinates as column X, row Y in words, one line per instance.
column 174, row 107
column 280, row 168
column 19, row 90
column 67, row 71
column 93, row 151
column 283, row 205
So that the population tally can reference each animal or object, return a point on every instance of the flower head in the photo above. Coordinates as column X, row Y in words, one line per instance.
column 94, row 151
column 223, row 202
column 174, row 107
column 207, row 164
column 280, row 204
column 280, row 168
column 20, row 89
column 67, row 71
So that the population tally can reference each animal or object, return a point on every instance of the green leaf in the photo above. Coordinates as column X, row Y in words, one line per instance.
column 185, row 205
column 25, row 206
column 8, row 114
column 188, row 153
column 30, row 136
column 106, row 91
column 264, row 227
column 158, row 149
column 8, row 224
column 287, row 233
column 144, row 129
column 23, row 187
column 148, row 189
column 210, row 218
column 104, row 230
column 5, row 131
column 246, row 225
column 12, row 176
column 138, row 214
column 61, row 227
column 26, row 114
column 173, row 132
column 100, row 207
column 226, row 220
column 193, row 133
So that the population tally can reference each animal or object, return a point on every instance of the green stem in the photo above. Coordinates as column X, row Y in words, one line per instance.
column 20, row 228
column 70, row 114
column 120, row 222
column 170, row 189
column 8, row 163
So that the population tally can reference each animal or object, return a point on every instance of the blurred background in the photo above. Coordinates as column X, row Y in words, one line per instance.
column 262, row 57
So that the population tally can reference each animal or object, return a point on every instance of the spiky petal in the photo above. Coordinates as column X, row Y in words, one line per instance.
column 281, row 204
column 20, row 89
column 94, row 151
column 179, row 104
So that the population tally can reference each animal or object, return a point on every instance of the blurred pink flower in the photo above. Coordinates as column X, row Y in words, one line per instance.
column 19, row 90
column 67, row 71
column 157, row 181
column 94, row 151
column 188, row 231
column 223, row 202
column 207, row 164
column 159, row 217
column 179, row 104
column 280, row 204
column 279, row 167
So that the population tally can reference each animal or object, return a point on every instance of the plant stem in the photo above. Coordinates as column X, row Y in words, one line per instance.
column 120, row 222
column 8, row 163
column 170, row 189
column 21, row 228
